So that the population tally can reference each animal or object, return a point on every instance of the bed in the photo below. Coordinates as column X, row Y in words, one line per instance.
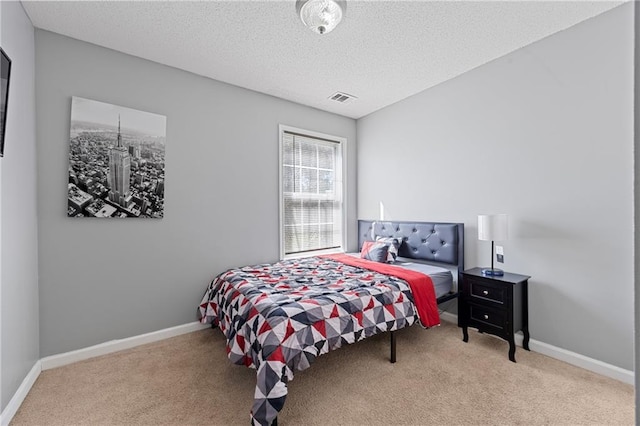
column 278, row 318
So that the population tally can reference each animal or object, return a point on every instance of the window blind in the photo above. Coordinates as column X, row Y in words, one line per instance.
column 312, row 193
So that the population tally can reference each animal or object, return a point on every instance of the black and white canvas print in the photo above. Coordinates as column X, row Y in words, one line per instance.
column 116, row 161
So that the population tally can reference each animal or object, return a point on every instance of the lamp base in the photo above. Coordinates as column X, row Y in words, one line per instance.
column 492, row 272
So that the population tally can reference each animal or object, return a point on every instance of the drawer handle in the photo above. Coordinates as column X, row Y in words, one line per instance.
column 485, row 292
column 486, row 316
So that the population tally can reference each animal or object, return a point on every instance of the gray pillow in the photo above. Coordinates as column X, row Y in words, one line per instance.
column 393, row 245
column 374, row 250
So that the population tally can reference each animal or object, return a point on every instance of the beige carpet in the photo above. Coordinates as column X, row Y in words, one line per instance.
column 438, row 379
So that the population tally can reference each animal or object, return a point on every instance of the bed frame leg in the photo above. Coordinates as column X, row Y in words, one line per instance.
column 393, row 347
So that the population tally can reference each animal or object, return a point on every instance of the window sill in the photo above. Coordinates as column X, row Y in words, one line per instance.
column 313, row 253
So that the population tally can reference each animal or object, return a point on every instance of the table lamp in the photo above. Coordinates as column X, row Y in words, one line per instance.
column 492, row 227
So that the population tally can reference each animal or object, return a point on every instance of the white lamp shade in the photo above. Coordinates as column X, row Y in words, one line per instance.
column 492, row 227
column 321, row 16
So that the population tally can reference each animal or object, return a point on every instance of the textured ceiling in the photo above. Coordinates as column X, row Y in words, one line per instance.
column 382, row 52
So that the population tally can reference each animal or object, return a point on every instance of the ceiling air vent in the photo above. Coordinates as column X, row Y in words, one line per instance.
column 343, row 98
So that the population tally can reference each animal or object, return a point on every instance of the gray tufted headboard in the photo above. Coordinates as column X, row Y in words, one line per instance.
column 433, row 241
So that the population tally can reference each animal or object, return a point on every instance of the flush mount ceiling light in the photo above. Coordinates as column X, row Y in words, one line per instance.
column 321, row 16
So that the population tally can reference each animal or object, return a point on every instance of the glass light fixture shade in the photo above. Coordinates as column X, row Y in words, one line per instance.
column 492, row 227
column 321, row 16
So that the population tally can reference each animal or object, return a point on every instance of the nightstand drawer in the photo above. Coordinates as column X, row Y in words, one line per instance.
column 491, row 317
column 486, row 290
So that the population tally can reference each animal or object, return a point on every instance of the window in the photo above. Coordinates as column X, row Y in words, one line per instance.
column 311, row 192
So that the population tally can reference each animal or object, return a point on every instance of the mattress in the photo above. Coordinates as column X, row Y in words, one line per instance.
column 441, row 277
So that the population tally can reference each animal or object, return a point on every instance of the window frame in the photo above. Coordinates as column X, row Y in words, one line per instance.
column 342, row 149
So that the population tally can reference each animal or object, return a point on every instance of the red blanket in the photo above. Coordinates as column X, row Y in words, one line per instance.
column 424, row 295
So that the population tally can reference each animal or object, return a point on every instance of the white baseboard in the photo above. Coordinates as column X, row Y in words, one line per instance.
column 16, row 401
column 569, row 357
column 581, row 361
column 118, row 345
column 81, row 354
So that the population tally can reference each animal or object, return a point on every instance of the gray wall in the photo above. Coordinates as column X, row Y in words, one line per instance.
column 636, row 233
column 544, row 134
column 18, row 224
column 107, row 279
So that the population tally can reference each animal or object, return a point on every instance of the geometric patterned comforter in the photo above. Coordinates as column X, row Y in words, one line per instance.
column 278, row 318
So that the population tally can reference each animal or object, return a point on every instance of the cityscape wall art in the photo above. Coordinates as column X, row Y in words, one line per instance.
column 116, row 161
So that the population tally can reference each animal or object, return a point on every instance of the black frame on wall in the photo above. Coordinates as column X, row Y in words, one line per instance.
column 5, row 75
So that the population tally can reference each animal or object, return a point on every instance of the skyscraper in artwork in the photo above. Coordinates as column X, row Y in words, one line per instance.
column 119, row 172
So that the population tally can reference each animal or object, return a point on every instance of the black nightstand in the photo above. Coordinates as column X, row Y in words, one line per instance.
column 494, row 305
